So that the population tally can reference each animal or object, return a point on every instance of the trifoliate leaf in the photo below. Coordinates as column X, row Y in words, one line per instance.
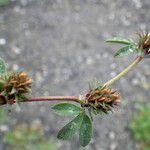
column 120, row 41
column 125, row 51
column 71, row 128
column 85, row 131
column 66, row 109
column 2, row 66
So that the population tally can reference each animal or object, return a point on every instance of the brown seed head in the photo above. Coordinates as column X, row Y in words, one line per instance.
column 102, row 99
column 144, row 41
column 20, row 81
column 16, row 86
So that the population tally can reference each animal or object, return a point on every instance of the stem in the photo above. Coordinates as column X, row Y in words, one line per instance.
column 54, row 98
column 125, row 71
column 78, row 99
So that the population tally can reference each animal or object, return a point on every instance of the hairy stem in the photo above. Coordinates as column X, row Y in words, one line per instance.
column 76, row 99
column 124, row 72
column 54, row 98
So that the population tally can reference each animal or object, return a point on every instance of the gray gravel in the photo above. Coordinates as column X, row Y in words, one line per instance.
column 61, row 43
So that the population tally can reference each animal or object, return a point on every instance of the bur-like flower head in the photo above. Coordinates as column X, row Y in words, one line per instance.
column 144, row 43
column 102, row 99
column 14, row 87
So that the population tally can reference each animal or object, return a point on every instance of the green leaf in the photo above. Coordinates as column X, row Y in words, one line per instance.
column 66, row 109
column 2, row 66
column 125, row 51
column 120, row 41
column 71, row 128
column 85, row 131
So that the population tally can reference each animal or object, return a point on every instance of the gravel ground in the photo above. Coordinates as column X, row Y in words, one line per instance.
column 61, row 43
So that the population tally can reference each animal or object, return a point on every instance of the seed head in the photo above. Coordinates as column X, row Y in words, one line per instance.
column 102, row 99
column 144, row 42
column 15, row 87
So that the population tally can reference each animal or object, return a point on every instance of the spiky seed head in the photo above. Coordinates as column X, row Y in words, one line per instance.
column 15, row 88
column 102, row 99
column 144, row 43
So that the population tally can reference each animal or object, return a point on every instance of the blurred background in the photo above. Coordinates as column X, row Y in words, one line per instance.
column 61, row 44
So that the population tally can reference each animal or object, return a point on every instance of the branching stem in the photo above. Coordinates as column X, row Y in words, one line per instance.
column 77, row 99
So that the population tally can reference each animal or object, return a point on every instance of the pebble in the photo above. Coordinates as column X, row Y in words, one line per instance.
column 24, row 2
column 2, row 41
column 112, row 135
column 113, row 146
column 16, row 50
column 138, row 3
column 89, row 61
column 15, row 67
column 38, row 77
column 105, row 55
column 113, row 74
column 135, row 81
column 37, row 124
column 4, row 128
column 113, row 66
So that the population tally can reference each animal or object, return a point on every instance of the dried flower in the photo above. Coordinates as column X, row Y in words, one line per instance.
column 102, row 99
column 144, row 42
column 15, row 87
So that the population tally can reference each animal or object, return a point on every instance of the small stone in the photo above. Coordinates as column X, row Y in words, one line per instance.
column 17, row 108
column 105, row 55
column 113, row 146
column 125, row 21
column 113, row 66
column 2, row 41
column 112, row 135
column 112, row 74
column 138, row 3
column 38, row 77
column 16, row 50
column 135, row 81
column 89, row 61
column 4, row 128
column 37, row 125
column 15, row 67
column 24, row 2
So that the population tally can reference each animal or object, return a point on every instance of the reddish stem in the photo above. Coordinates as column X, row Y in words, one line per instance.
column 54, row 98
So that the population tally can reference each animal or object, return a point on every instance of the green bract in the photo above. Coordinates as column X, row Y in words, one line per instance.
column 66, row 109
